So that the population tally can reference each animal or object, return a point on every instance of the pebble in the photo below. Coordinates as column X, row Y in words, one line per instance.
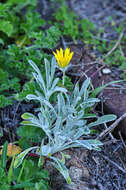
column 75, row 173
column 106, row 71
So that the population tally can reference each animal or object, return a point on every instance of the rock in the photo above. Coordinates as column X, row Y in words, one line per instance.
column 75, row 173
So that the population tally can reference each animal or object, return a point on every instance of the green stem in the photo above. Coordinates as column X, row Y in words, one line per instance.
column 63, row 77
column 21, row 171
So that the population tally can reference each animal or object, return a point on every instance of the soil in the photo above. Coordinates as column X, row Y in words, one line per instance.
column 10, row 118
column 101, row 13
column 89, row 170
column 92, row 170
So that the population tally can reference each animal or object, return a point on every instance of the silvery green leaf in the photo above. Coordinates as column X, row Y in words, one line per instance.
column 86, row 130
column 44, row 102
column 91, row 100
column 63, row 157
column 95, row 142
column 76, row 100
column 81, row 131
column 33, row 121
column 68, row 134
column 54, row 83
column 32, row 97
column 76, row 91
column 34, row 66
column 87, row 104
column 58, row 124
column 47, row 69
column 59, row 165
column 90, row 144
column 53, row 66
column 84, row 88
column 48, row 114
column 103, row 119
column 46, row 150
column 41, row 118
column 62, row 99
column 19, row 159
column 28, row 123
column 49, row 105
column 39, row 74
column 45, row 125
column 40, row 96
column 59, row 104
column 80, row 114
column 60, row 139
column 74, row 122
column 47, row 130
column 79, row 123
column 71, row 109
column 83, row 143
column 45, row 116
column 60, row 89
column 35, row 75
column 78, row 134
column 89, row 115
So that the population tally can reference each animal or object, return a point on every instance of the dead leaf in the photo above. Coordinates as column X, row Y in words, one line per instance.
column 12, row 150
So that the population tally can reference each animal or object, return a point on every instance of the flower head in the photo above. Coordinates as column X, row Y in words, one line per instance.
column 63, row 59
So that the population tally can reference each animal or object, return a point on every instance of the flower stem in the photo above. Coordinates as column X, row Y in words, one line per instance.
column 63, row 77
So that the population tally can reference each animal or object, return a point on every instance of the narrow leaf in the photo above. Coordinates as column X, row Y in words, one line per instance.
column 4, row 155
column 10, row 172
column 99, row 89
column 19, row 159
column 103, row 119
column 62, row 169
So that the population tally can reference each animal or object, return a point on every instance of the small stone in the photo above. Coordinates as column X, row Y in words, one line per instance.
column 75, row 173
column 106, row 71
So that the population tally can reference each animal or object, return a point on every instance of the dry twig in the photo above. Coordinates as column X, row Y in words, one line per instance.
column 122, row 140
column 112, row 127
column 113, row 163
column 116, row 45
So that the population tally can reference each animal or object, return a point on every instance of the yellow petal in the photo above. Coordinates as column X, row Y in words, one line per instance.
column 67, row 51
column 70, row 56
column 54, row 53
column 58, row 53
column 61, row 53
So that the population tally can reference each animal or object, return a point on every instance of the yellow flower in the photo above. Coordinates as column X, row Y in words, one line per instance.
column 63, row 59
column 12, row 150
